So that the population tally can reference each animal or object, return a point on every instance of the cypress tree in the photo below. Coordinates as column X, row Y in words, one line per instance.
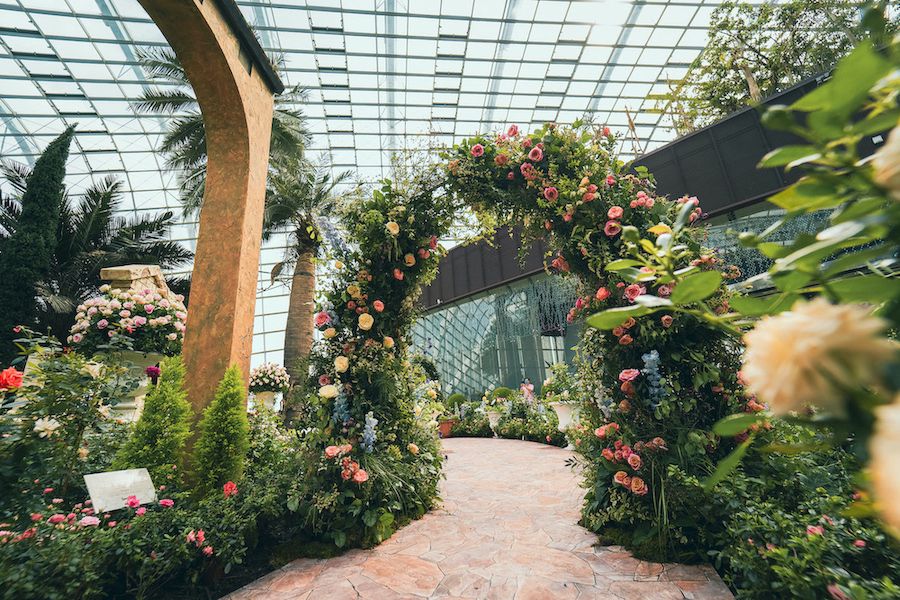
column 26, row 256
column 224, row 436
column 163, row 428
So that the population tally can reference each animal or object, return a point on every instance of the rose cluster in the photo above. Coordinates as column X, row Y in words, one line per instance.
column 269, row 377
column 350, row 469
column 153, row 323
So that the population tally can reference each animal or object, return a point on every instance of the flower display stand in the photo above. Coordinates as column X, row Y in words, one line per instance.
column 266, row 399
column 494, row 420
column 129, row 408
column 565, row 412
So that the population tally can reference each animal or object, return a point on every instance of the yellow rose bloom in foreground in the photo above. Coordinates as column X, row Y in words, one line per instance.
column 366, row 321
column 341, row 364
column 388, row 342
column 885, row 464
column 328, row 391
column 329, row 333
column 807, row 355
column 409, row 260
column 393, row 227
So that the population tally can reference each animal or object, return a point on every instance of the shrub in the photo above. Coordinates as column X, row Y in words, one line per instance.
column 161, row 432
column 224, row 436
column 455, row 400
column 25, row 255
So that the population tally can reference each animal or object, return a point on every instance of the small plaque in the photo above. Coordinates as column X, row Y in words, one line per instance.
column 109, row 490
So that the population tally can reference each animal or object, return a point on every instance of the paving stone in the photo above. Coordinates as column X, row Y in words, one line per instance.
column 507, row 531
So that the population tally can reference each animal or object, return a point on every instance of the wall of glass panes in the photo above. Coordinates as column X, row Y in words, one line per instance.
column 500, row 337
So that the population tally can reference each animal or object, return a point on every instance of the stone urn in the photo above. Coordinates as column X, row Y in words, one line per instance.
column 494, row 419
column 130, row 407
column 565, row 412
column 266, row 399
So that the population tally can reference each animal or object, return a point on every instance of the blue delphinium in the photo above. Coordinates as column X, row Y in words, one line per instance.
column 341, row 413
column 369, row 435
column 654, row 379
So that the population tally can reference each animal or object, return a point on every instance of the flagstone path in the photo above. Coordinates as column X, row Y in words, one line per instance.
column 507, row 530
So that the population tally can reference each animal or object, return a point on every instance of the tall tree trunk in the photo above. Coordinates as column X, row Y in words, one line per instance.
column 298, row 336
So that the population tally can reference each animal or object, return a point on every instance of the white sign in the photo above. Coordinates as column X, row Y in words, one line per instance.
column 109, row 490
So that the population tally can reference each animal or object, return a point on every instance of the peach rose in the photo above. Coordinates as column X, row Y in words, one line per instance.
column 332, row 451
column 634, row 461
column 638, row 486
column 360, row 476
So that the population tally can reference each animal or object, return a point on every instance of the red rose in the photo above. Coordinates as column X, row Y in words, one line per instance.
column 230, row 489
column 10, row 379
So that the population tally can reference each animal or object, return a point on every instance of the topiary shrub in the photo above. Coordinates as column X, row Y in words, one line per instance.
column 25, row 255
column 503, row 392
column 224, row 436
column 455, row 400
column 161, row 432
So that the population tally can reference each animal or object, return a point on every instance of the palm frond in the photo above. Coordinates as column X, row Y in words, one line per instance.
column 16, row 174
column 162, row 63
column 155, row 100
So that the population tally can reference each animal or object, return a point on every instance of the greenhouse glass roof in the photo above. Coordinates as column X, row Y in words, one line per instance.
column 382, row 76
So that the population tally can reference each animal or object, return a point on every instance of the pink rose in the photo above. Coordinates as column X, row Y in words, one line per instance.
column 208, row 551
column 501, row 159
column 378, row 305
column 102, row 324
column 57, row 518
column 602, row 294
column 513, row 131
column 398, row 274
column 550, row 193
column 610, row 180
column 322, row 318
column 526, row 143
column 615, row 212
column 230, row 489
column 324, row 380
column 629, row 375
column 634, row 461
column 664, row 291
column 140, row 511
column 579, row 304
column 857, row 543
column 588, row 196
column 510, row 175
column 360, row 476
column 132, row 502
column 536, row 155
column 167, row 503
column 612, row 228
column 89, row 521
column 815, row 530
column 477, row 150
column 633, row 291
column 331, row 451
column 836, row 593
column 638, row 487
column 633, row 204
column 666, row 321
column 149, row 308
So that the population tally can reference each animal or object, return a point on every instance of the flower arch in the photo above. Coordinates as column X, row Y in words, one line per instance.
column 656, row 371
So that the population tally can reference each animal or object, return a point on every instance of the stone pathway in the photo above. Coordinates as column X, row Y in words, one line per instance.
column 507, row 530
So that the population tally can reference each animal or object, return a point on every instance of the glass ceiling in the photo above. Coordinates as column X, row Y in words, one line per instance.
column 382, row 75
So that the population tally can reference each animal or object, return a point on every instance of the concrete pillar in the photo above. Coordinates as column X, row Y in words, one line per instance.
column 234, row 84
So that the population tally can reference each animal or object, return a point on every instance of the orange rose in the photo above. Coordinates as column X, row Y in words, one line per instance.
column 638, row 486
column 622, row 478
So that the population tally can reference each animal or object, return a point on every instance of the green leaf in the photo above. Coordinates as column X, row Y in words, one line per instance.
column 786, row 155
column 794, row 449
column 727, row 465
column 609, row 319
column 293, row 503
column 386, row 519
column 735, row 424
column 370, row 517
column 849, row 87
column 652, row 301
column 622, row 263
column 872, row 289
column 790, row 281
column 696, row 287
column 807, row 194
column 877, row 124
column 854, row 260
column 340, row 538
column 770, row 305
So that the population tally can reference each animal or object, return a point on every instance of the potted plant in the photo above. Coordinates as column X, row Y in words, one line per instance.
column 266, row 380
column 451, row 415
column 143, row 326
column 555, row 393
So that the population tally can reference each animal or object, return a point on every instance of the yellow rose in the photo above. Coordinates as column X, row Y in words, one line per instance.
column 432, row 394
column 366, row 321
column 393, row 227
column 413, row 449
column 388, row 342
column 328, row 391
column 409, row 260
column 338, row 265
column 341, row 364
column 329, row 333
column 353, row 290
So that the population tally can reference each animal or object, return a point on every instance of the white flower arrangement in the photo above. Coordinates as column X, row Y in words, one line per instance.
column 153, row 322
column 269, row 377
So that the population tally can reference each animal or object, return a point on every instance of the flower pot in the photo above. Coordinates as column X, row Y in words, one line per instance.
column 445, row 427
column 494, row 420
column 565, row 412
column 130, row 407
column 266, row 399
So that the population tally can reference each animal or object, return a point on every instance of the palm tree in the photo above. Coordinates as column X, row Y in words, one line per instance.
column 298, row 197
column 184, row 144
column 90, row 236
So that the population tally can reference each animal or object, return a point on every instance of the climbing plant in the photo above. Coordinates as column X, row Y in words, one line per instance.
column 374, row 460
column 653, row 381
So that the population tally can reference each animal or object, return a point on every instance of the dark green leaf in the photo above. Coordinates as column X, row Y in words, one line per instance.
column 697, row 287
column 609, row 319
column 727, row 465
column 873, row 289
column 735, row 424
column 770, row 305
column 786, row 155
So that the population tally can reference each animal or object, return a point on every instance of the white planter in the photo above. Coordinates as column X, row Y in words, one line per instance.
column 494, row 420
column 565, row 412
column 266, row 399
column 131, row 407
